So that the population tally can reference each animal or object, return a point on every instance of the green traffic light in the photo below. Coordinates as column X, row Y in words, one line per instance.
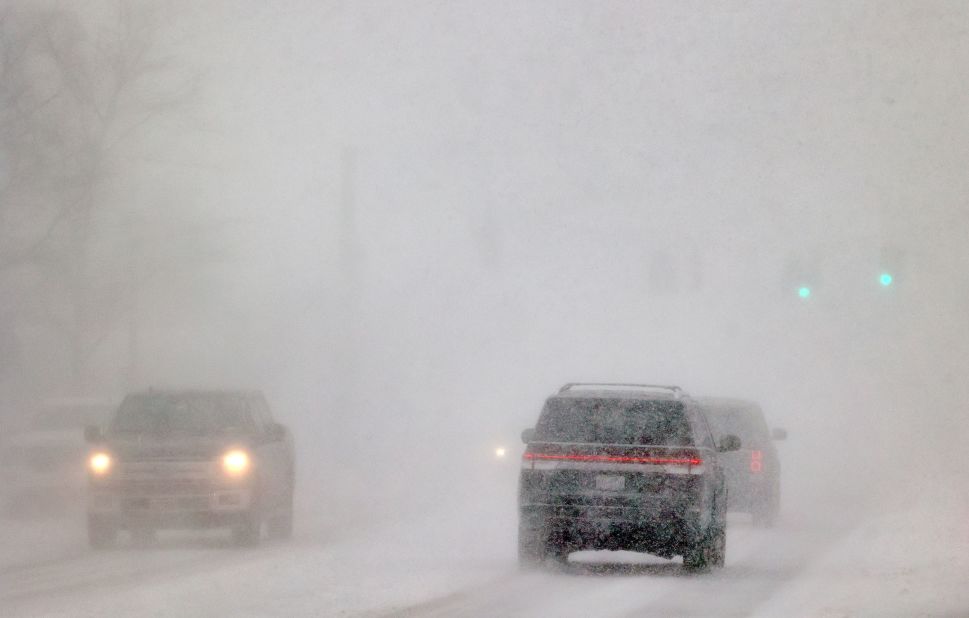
column 804, row 291
column 885, row 279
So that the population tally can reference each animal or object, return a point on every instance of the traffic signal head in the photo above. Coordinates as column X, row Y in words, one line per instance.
column 885, row 279
column 804, row 291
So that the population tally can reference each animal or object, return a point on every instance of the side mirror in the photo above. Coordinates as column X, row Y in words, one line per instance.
column 778, row 434
column 93, row 434
column 275, row 432
column 729, row 443
column 528, row 435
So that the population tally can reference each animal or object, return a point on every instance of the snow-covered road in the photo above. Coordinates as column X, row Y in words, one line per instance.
column 906, row 561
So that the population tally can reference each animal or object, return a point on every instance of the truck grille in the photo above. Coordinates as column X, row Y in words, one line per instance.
column 161, row 487
column 166, row 503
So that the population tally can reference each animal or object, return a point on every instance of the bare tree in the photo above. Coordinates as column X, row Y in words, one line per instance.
column 79, row 101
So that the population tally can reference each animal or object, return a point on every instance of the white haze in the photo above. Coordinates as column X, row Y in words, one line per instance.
column 425, row 217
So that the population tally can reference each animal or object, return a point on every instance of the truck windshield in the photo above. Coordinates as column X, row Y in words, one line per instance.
column 201, row 414
column 614, row 421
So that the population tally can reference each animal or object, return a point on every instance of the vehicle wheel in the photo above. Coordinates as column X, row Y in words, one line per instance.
column 280, row 525
column 101, row 533
column 532, row 545
column 710, row 551
column 718, row 535
column 719, row 546
column 558, row 552
column 698, row 559
column 247, row 532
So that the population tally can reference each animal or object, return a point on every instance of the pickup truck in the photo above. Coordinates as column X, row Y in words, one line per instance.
column 190, row 459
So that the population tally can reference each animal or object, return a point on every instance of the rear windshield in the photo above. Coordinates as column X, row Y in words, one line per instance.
column 614, row 421
column 745, row 423
column 198, row 414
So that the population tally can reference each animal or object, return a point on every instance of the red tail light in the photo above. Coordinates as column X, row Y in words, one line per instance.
column 756, row 461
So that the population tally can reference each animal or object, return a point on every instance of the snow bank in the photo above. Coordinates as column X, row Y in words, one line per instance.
column 909, row 560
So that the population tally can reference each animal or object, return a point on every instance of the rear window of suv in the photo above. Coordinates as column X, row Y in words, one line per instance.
column 614, row 421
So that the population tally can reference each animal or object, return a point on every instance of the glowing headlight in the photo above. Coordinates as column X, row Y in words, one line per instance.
column 500, row 452
column 100, row 463
column 235, row 462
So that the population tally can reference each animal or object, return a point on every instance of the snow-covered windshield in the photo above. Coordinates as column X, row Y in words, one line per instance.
column 614, row 421
column 187, row 414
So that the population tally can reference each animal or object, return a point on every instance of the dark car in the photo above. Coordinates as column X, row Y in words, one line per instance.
column 617, row 466
column 190, row 459
column 754, row 471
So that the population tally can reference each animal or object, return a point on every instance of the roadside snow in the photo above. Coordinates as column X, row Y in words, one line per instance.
column 41, row 537
column 911, row 560
column 322, row 572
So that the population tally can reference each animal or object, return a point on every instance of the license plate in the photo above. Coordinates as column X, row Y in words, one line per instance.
column 610, row 482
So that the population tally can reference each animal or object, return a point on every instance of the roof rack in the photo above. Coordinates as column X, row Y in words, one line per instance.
column 676, row 390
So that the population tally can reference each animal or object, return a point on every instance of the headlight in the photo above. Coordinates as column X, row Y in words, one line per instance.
column 99, row 463
column 500, row 452
column 235, row 462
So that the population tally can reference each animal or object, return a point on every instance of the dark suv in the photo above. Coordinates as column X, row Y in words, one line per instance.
column 754, row 472
column 190, row 459
column 623, row 466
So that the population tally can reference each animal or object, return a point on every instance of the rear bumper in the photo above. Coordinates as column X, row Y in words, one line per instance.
column 663, row 531
column 656, row 514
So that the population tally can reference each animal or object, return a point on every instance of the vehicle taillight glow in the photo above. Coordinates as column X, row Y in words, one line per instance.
column 683, row 461
column 756, row 461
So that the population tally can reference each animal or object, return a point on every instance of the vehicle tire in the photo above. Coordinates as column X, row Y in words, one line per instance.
column 248, row 530
column 718, row 545
column 718, row 533
column 710, row 550
column 532, row 545
column 101, row 533
column 280, row 525
column 696, row 559
column 558, row 552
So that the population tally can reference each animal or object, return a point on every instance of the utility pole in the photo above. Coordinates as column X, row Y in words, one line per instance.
column 345, row 421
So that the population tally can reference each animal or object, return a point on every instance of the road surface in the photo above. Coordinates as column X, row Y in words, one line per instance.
column 443, row 565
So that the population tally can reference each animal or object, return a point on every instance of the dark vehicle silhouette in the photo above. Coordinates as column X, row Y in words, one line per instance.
column 190, row 459
column 754, row 471
column 629, row 467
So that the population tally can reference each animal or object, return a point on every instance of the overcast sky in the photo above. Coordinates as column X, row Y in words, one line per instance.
column 520, row 169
